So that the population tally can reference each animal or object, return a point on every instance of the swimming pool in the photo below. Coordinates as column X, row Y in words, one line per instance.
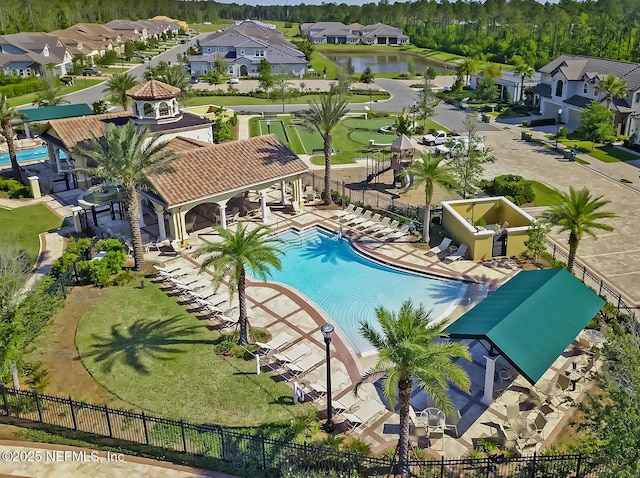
column 349, row 287
column 28, row 155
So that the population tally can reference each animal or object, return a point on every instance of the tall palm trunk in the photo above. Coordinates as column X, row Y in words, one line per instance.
column 573, row 249
column 522, row 90
column 426, row 219
column 133, row 215
column 327, row 169
column 7, row 131
column 405, row 386
column 242, row 320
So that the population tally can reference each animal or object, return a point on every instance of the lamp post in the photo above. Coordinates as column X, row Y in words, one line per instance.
column 269, row 126
column 558, row 125
column 327, row 331
column 414, row 108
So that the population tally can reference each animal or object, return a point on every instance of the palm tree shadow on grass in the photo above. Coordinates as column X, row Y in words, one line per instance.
column 142, row 340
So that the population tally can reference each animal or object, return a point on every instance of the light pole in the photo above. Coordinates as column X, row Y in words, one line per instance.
column 558, row 125
column 413, row 126
column 269, row 126
column 327, row 331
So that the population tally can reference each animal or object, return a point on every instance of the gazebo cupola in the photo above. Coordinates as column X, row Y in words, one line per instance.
column 154, row 102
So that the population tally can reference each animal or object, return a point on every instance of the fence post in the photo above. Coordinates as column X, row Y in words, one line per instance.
column 75, row 273
column 584, row 273
column 184, row 437
column 5, row 404
column 554, row 252
column 533, row 465
column 73, row 414
column 600, row 291
column 106, row 414
column 578, row 465
column 222, row 453
column 264, row 452
column 442, row 466
column 146, row 430
column 619, row 301
column 37, row 399
column 488, row 458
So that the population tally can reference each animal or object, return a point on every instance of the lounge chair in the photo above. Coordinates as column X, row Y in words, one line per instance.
column 351, row 216
column 361, row 219
column 371, row 222
column 364, row 414
column 295, row 205
column 403, row 231
column 304, row 365
column 350, row 400
column 452, row 423
column 350, row 209
column 459, row 254
column 393, row 227
column 443, row 246
column 381, row 225
column 292, row 354
column 276, row 343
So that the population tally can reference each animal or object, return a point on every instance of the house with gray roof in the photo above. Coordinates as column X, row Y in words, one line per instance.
column 337, row 33
column 243, row 47
column 509, row 83
column 569, row 83
column 28, row 53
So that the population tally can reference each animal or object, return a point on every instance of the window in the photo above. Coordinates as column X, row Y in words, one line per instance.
column 148, row 109
column 231, row 70
column 242, row 52
column 559, row 86
column 163, row 110
column 637, row 98
column 585, row 89
column 260, row 53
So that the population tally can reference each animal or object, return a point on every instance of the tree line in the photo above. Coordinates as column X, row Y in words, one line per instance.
column 495, row 30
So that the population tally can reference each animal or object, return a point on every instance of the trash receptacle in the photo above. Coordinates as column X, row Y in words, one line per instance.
column 523, row 135
column 528, row 137
column 572, row 155
column 566, row 153
column 485, row 118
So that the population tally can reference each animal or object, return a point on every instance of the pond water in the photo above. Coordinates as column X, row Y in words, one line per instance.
column 383, row 62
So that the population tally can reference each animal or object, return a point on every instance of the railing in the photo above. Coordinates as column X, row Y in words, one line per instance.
column 261, row 456
column 593, row 280
column 70, row 277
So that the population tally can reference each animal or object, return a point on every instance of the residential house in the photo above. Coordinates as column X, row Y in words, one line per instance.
column 92, row 39
column 131, row 30
column 509, row 83
column 244, row 46
column 155, row 28
column 26, row 54
column 569, row 83
column 341, row 34
column 171, row 22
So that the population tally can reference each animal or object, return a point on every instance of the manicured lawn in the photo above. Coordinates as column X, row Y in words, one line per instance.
column 368, row 124
column 249, row 100
column 274, row 127
column 605, row 153
column 148, row 350
column 26, row 223
column 545, row 196
column 211, row 28
column 310, row 138
column 80, row 84
column 338, row 158
column 319, row 62
column 363, row 137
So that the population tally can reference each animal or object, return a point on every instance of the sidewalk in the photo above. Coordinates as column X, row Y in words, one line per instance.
column 26, row 459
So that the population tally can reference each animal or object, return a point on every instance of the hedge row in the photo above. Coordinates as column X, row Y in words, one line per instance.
column 24, row 87
column 15, row 188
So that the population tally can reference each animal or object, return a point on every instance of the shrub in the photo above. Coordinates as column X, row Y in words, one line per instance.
column 513, row 186
column 37, row 308
column 60, row 266
column 79, row 246
column 563, row 132
column 15, row 188
column 419, row 129
column 543, row 122
column 123, row 278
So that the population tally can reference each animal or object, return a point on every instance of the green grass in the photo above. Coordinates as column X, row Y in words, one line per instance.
column 363, row 137
column 80, row 84
column 113, row 69
column 545, row 196
column 24, row 224
column 338, row 158
column 275, row 127
column 604, row 153
column 250, row 101
column 148, row 350
column 202, row 28
column 319, row 62
column 368, row 124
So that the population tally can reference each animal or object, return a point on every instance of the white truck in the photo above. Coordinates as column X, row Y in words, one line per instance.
column 460, row 145
column 437, row 137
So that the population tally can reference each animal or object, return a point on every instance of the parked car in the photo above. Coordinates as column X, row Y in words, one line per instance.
column 460, row 145
column 140, row 55
column 91, row 71
column 437, row 137
column 194, row 80
column 234, row 81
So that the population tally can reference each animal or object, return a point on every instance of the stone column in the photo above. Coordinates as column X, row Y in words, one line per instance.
column 283, row 192
column 489, row 377
column 265, row 209
column 34, row 184
column 27, row 131
column 56, row 153
column 77, row 225
column 223, row 212
column 177, row 226
column 162, row 232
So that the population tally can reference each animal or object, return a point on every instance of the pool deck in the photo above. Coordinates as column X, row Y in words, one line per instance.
column 278, row 308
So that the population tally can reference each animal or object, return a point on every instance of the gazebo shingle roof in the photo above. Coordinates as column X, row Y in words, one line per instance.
column 72, row 131
column 219, row 168
column 153, row 90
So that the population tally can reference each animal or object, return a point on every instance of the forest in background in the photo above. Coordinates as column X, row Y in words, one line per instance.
column 495, row 30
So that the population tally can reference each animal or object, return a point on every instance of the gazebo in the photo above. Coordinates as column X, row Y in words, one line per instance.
column 402, row 148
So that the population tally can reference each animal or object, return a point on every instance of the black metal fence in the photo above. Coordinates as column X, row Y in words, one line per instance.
column 69, row 277
column 593, row 280
column 258, row 455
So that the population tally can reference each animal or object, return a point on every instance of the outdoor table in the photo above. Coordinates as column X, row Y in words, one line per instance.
column 524, row 428
column 549, row 387
column 433, row 418
column 594, row 336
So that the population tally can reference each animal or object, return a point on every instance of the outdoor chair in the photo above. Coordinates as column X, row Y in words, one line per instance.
column 291, row 354
column 350, row 209
column 278, row 342
column 564, row 382
column 306, row 364
column 452, row 423
column 433, row 434
column 350, row 400
column 361, row 219
column 364, row 415
column 459, row 254
column 367, row 224
column 510, row 437
column 381, row 225
column 351, row 216
column 443, row 246
column 512, row 412
column 540, row 421
column 151, row 245
column 393, row 227
column 403, row 231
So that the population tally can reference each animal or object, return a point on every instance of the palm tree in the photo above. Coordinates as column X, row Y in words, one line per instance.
column 525, row 70
column 467, row 66
column 7, row 116
column 612, row 87
column 578, row 214
column 492, row 70
column 118, row 85
column 127, row 155
column 178, row 77
column 324, row 116
column 239, row 251
column 407, row 349
column 430, row 171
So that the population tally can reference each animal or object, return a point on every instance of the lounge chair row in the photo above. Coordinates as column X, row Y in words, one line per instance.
column 445, row 247
column 373, row 224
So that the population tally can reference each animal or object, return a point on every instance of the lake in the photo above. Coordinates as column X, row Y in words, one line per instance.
column 383, row 62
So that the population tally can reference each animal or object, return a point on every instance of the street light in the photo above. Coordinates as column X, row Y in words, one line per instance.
column 327, row 331
column 558, row 126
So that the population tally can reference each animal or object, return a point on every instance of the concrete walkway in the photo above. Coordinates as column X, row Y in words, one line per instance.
column 37, row 460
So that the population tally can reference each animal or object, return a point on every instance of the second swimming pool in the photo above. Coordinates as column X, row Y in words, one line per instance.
column 349, row 287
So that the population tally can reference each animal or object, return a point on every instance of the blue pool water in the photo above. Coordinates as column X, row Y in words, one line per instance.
column 28, row 155
column 349, row 287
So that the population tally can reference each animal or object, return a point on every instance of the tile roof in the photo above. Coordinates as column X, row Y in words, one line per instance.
column 153, row 90
column 216, row 169
column 180, row 144
column 72, row 131
column 576, row 68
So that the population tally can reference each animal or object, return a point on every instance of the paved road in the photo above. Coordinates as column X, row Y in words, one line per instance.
column 96, row 92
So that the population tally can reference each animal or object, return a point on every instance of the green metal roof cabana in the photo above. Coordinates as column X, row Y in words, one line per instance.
column 531, row 319
column 48, row 113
